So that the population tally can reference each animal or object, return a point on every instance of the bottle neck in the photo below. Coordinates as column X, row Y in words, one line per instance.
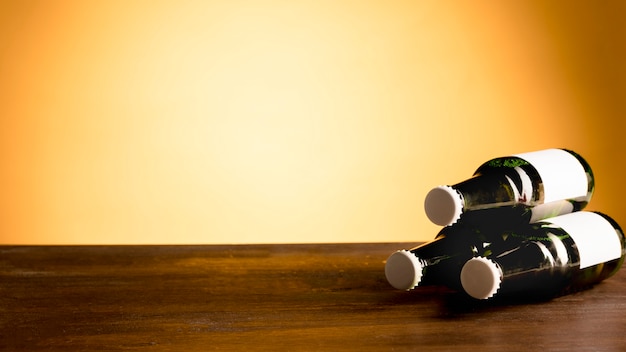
column 442, row 258
column 489, row 190
column 452, row 241
column 534, row 269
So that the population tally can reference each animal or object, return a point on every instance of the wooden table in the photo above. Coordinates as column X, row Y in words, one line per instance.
column 273, row 297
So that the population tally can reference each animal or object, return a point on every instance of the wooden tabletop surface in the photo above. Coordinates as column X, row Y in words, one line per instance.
column 314, row 297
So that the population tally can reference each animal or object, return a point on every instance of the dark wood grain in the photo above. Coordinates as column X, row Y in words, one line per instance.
column 273, row 297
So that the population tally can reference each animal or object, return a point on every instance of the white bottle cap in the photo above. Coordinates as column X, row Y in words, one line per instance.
column 403, row 270
column 443, row 205
column 480, row 278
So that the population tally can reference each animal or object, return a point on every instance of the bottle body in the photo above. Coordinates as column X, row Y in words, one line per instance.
column 439, row 262
column 557, row 256
column 521, row 188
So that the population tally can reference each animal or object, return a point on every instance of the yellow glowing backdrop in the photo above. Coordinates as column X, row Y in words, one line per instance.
column 289, row 121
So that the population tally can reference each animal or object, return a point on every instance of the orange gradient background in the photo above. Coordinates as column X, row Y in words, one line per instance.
column 271, row 121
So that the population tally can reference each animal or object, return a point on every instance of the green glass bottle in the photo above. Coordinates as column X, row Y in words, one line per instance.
column 558, row 255
column 521, row 188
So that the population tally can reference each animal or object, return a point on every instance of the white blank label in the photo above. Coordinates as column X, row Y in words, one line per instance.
column 595, row 237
